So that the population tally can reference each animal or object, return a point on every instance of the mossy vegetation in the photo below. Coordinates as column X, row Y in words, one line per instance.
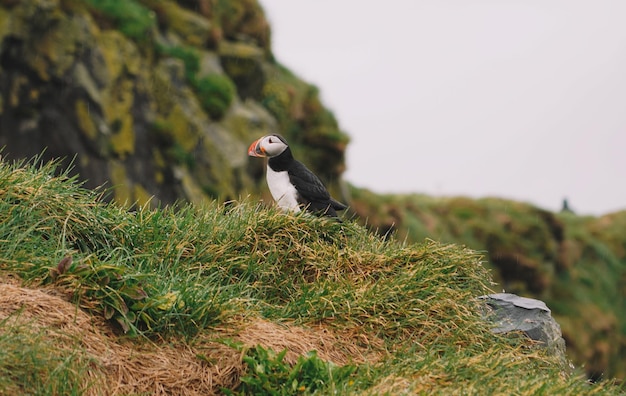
column 191, row 28
column 215, row 91
column 399, row 318
column 129, row 16
column 86, row 124
column 188, row 55
column 240, row 18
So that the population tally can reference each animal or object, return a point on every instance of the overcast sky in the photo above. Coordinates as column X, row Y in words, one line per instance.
column 522, row 99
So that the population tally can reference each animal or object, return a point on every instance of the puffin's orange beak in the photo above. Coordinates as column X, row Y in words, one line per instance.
column 255, row 149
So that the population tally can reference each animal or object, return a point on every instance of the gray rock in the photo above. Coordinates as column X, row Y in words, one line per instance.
column 512, row 313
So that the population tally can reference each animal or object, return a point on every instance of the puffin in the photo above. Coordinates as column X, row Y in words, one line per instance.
column 293, row 186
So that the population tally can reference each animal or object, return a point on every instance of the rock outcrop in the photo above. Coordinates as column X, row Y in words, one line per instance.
column 511, row 313
column 154, row 98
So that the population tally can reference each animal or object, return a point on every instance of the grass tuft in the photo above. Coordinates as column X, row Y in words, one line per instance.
column 30, row 365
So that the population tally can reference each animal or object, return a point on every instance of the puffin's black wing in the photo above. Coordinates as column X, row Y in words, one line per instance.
column 307, row 184
column 311, row 190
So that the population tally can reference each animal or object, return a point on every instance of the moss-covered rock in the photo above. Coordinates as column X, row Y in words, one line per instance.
column 242, row 20
column 192, row 27
column 157, row 98
column 244, row 65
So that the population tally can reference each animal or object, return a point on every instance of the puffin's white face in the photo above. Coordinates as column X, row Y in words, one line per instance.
column 267, row 146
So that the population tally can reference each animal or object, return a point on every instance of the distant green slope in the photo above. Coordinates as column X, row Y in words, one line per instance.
column 191, row 281
column 576, row 264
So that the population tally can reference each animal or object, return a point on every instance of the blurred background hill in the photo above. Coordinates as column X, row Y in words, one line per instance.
column 160, row 99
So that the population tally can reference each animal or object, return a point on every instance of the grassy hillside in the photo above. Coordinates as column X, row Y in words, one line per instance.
column 239, row 298
column 576, row 264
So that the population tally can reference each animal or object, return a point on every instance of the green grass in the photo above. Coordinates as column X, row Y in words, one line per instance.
column 183, row 272
column 269, row 374
column 576, row 264
column 30, row 365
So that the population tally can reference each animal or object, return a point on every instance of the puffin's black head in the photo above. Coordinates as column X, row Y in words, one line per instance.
column 268, row 146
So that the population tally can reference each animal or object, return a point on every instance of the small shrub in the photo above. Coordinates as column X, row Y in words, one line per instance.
column 112, row 286
column 269, row 374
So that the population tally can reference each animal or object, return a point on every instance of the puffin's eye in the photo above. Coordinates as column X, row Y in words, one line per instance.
column 270, row 140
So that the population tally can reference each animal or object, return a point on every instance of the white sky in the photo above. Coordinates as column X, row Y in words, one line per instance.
column 522, row 99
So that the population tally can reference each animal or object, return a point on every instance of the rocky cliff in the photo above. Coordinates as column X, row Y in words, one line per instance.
column 156, row 98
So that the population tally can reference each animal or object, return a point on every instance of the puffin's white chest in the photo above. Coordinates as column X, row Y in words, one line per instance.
column 283, row 192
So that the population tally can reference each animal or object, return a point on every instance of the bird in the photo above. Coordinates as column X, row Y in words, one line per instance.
column 292, row 185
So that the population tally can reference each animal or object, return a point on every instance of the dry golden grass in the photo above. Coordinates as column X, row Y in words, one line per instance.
column 118, row 366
